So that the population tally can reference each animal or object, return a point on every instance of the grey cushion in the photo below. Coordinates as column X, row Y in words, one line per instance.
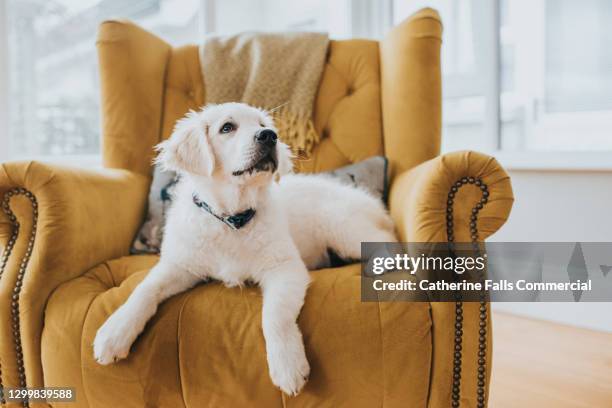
column 370, row 175
column 149, row 237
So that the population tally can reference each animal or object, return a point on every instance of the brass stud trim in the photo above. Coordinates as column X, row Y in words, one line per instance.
column 482, row 345
column 3, row 261
column 20, row 275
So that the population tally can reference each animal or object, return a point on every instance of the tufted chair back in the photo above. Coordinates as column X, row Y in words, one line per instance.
column 374, row 97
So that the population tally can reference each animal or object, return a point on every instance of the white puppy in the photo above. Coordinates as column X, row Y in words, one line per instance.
column 230, row 221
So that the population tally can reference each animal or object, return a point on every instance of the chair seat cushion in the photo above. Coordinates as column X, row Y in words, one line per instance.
column 205, row 347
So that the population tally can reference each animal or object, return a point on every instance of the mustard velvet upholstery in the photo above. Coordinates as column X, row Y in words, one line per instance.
column 65, row 235
column 205, row 346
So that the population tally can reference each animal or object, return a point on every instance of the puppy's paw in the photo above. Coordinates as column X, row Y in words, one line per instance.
column 288, row 365
column 113, row 341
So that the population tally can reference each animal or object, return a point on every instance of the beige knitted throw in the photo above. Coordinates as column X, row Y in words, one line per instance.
column 269, row 71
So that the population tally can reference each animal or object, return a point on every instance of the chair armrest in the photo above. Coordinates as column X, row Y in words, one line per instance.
column 55, row 224
column 418, row 203
column 418, row 198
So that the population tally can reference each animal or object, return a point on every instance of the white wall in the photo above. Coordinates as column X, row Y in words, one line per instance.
column 561, row 207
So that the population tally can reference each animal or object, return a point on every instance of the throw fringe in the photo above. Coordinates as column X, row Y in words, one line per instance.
column 297, row 130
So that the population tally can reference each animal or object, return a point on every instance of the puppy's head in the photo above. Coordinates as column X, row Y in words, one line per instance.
column 231, row 142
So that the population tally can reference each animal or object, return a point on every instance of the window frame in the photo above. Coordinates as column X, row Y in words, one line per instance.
column 539, row 122
column 489, row 87
column 560, row 160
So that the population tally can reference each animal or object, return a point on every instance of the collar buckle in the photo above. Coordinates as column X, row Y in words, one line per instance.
column 234, row 221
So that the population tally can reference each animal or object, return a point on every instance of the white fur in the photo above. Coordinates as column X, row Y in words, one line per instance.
column 296, row 221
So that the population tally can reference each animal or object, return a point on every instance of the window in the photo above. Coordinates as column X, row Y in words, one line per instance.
column 53, row 103
column 231, row 17
column 538, row 69
column 51, row 73
column 557, row 59
column 518, row 75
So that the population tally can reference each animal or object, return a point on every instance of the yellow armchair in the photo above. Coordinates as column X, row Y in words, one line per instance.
column 65, row 236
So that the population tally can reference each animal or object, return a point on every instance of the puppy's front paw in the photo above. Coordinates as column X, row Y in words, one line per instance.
column 112, row 342
column 288, row 365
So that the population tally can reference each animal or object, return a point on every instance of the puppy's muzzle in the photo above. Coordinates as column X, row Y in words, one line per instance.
column 264, row 156
column 266, row 138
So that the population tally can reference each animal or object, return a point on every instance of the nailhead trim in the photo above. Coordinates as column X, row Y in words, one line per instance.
column 20, row 275
column 4, row 260
column 482, row 340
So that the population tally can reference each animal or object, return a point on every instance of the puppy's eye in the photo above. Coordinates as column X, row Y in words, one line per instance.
column 262, row 125
column 227, row 128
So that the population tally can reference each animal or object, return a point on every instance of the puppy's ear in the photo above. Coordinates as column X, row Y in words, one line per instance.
column 188, row 148
column 285, row 162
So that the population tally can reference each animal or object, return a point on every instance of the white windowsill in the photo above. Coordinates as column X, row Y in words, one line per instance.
column 554, row 161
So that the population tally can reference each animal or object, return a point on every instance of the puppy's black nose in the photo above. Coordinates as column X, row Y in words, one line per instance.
column 266, row 137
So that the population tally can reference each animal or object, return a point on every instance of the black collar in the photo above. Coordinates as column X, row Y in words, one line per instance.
column 235, row 221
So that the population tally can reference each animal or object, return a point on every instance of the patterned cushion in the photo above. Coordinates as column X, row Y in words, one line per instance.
column 149, row 237
column 370, row 175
